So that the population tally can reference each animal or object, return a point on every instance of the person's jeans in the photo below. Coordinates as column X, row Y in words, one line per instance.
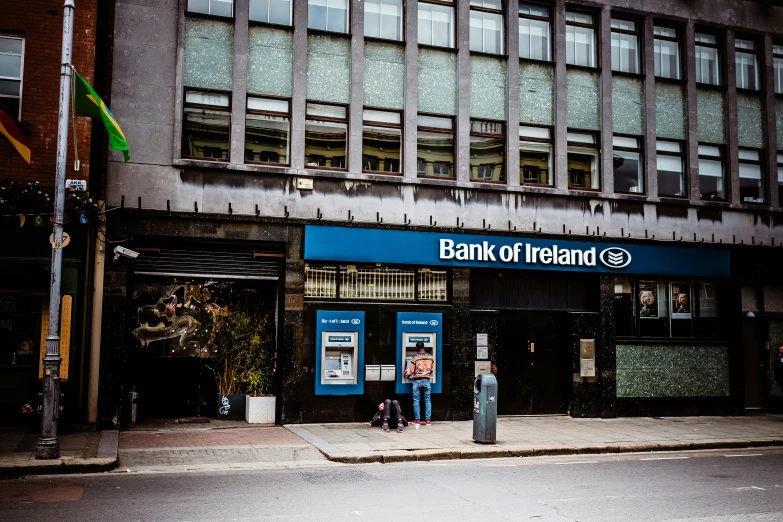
column 419, row 386
column 392, row 410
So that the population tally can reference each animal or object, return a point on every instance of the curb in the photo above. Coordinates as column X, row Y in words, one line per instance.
column 456, row 454
column 59, row 467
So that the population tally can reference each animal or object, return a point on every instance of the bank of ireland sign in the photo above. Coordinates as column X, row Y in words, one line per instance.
column 365, row 245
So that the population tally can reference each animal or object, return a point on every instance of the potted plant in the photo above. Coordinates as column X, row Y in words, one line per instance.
column 258, row 381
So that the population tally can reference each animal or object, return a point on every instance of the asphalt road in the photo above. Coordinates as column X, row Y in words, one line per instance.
column 706, row 486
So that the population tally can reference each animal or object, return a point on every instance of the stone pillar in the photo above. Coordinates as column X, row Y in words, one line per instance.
column 289, row 356
column 462, row 348
column 606, row 351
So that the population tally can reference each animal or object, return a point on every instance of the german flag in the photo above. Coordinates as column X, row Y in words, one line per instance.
column 10, row 129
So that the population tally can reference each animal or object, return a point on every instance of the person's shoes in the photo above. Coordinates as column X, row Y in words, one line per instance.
column 385, row 425
column 400, row 426
column 428, row 423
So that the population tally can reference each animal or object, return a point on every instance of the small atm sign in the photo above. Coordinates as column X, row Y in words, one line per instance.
column 419, row 339
column 339, row 339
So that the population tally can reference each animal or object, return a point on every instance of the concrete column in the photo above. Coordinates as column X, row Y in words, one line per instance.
column 239, row 90
column 179, row 92
column 95, row 333
column 299, row 91
column 770, row 125
column 732, row 140
column 691, row 122
column 650, row 155
column 512, row 79
column 411, row 88
column 357, row 88
column 463, row 90
column 605, row 57
column 561, row 102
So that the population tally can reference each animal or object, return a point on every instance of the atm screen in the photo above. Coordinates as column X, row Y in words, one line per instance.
column 332, row 364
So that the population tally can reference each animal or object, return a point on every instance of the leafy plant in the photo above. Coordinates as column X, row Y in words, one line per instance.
column 33, row 198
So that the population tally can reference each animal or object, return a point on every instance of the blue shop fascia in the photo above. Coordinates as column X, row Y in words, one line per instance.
column 578, row 327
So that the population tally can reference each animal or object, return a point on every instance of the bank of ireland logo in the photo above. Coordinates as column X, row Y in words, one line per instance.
column 433, row 322
column 615, row 257
column 355, row 321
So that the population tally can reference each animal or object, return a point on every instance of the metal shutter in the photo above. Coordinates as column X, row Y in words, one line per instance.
column 261, row 263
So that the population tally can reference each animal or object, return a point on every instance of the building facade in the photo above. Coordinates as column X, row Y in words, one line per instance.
column 30, row 52
column 585, row 194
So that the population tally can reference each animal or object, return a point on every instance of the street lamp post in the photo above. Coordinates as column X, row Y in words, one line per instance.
column 48, row 445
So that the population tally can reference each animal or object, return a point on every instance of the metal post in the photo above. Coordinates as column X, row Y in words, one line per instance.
column 48, row 445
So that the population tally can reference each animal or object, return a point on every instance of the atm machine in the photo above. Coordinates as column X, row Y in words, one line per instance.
column 339, row 353
column 413, row 327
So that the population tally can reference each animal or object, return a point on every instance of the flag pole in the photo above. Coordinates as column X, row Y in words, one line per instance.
column 48, row 445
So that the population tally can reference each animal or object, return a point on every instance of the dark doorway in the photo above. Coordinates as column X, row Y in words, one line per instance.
column 754, row 370
column 533, row 363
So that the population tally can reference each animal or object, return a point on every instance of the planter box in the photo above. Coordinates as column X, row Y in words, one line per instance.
column 230, row 407
column 260, row 410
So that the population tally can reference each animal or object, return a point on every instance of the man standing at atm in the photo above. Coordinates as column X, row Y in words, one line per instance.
column 420, row 372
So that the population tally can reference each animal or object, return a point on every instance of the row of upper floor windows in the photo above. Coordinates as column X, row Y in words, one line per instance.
column 207, row 124
column 384, row 19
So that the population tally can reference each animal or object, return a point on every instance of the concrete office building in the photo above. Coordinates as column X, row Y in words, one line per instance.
column 596, row 186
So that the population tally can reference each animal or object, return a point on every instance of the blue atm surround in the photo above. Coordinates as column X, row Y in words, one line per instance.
column 327, row 321
column 420, row 322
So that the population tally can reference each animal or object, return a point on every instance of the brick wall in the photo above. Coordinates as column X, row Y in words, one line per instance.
column 41, row 24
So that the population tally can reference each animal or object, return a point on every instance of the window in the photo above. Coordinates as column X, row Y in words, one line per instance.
column 486, row 26
column 487, row 142
column 435, row 146
column 666, row 51
column 671, row 169
column 383, row 19
column 751, row 176
column 328, row 15
column 375, row 282
column 780, row 179
column 267, row 128
column 326, row 136
column 707, row 59
column 625, row 46
column 212, row 7
column 535, row 155
column 653, row 307
column 583, row 161
column 534, row 30
column 271, row 11
column 777, row 67
column 580, row 39
column 436, row 24
column 207, row 125
column 11, row 66
column 747, row 65
column 381, row 141
column 627, row 162
column 712, row 177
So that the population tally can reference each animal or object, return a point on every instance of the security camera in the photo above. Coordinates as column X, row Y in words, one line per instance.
column 124, row 252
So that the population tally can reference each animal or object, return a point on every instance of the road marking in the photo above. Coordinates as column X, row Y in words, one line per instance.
column 749, row 488
column 579, row 462
column 500, row 465
column 666, row 458
column 746, row 455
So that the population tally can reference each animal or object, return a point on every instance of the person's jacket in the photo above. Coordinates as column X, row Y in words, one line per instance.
column 421, row 367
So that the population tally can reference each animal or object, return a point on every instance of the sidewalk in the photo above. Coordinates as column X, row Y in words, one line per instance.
column 80, row 452
column 530, row 436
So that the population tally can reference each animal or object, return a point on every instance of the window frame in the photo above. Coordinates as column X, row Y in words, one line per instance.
column 549, row 21
column 203, row 106
column 755, row 54
column 637, row 33
column 504, row 37
column 762, row 182
column 675, row 39
column 453, row 37
column 721, row 80
column 327, row 30
column 452, row 132
column 596, row 37
column 682, row 155
column 270, row 113
column 400, row 126
column 595, row 145
column 777, row 67
column 401, row 39
column 503, row 136
column 549, row 141
column 640, row 150
column 221, row 17
column 724, row 168
column 346, row 121
column 290, row 23
column 780, row 177
column 20, row 79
